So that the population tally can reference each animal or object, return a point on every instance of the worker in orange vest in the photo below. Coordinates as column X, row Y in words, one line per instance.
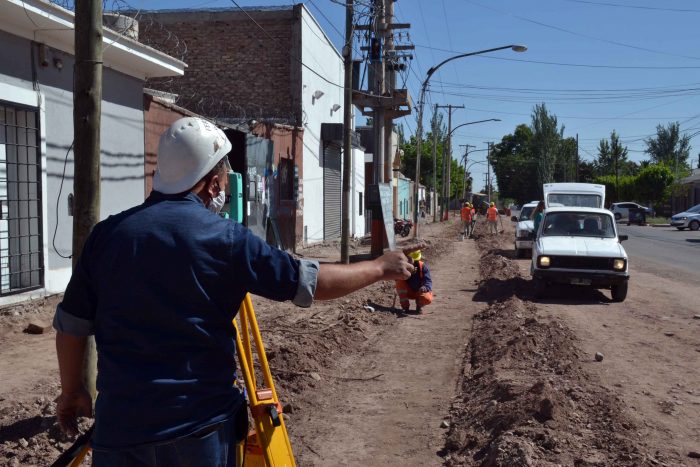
column 492, row 218
column 467, row 216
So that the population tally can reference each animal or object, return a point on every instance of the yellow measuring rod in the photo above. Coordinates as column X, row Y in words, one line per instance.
column 267, row 445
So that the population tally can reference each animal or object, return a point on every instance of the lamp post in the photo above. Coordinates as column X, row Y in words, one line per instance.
column 464, row 180
column 421, row 99
column 449, row 161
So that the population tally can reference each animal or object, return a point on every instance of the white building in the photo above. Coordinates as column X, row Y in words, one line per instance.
column 36, row 134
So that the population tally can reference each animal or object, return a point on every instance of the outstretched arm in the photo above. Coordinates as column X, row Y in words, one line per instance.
column 337, row 280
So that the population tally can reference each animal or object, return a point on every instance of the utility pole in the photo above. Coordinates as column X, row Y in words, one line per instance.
column 390, row 80
column 578, row 159
column 377, row 88
column 381, row 100
column 434, row 202
column 447, row 161
column 87, row 100
column 488, row 168
column 347, row 134
column 465, row 158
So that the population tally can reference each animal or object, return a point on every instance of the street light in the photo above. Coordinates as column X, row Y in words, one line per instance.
column 464, row 179
column 449, row 162
column 419, row 126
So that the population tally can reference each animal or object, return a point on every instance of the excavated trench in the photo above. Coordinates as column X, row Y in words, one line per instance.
column 525, row 397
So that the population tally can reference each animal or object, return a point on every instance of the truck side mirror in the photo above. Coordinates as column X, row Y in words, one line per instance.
column 622, row 238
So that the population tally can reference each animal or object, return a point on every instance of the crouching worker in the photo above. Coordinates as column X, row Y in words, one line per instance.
column 418, row 287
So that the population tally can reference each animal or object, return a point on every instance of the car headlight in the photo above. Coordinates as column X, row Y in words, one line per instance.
column 684, row 218
column 619, row 264
column 543, row 261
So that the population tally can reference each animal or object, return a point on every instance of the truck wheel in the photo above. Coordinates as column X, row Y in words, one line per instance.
column 694, row 225
column 618, row 216
column 519, row 253
column 619, row 292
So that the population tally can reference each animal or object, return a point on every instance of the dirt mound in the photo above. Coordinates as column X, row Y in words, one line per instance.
column 526, row 397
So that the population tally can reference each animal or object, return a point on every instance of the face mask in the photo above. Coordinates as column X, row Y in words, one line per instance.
column 216, row 204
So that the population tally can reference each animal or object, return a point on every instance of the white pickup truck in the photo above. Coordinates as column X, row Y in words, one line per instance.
column 577, row 242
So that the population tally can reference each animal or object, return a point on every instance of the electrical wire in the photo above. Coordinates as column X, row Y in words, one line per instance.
column 58, row 199
column 636, row 7
column 586, row 36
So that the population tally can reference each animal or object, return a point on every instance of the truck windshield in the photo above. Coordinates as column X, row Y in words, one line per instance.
column 574, row 200
column 578, row 224
column 526, row 213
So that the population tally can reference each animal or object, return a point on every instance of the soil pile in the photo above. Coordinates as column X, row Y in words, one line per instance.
column 526, row 397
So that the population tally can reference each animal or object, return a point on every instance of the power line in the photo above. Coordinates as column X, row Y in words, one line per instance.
column 636, row 7
column 586, row 36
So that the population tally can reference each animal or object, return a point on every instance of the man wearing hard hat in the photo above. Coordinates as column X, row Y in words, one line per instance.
column 418, row 287
column 492, row 218
column 158, row 285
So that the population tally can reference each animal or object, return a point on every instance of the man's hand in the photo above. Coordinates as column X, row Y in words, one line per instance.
column 395, row 265
column 70, row 407
column 423, row 289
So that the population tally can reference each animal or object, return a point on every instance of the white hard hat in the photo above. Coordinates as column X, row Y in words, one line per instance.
column 187, row 151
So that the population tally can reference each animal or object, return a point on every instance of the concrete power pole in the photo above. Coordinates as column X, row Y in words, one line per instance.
column 488, row 168
column 464, row 180
column 390, row 77
column 378, row 26
column 434, row 201
column 447, row 161
column 87, row 100
column 347, row 134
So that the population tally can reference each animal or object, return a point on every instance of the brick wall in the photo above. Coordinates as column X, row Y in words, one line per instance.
column 234, row 69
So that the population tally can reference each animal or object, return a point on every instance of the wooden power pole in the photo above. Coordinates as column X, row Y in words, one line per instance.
column 347, row 134
column 87, row 100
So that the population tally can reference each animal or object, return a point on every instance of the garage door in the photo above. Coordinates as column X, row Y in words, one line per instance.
column 331, row 192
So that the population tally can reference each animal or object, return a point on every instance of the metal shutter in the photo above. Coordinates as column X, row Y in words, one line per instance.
column 331, row 192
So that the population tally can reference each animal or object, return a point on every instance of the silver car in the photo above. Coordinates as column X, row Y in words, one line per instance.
column 689, row 219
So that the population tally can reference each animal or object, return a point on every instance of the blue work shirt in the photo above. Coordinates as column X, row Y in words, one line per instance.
column 419, row 279
column 159, row 285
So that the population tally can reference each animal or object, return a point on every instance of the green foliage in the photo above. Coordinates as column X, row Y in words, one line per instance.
column 612, row 158
column 546, row 139
column 652, row 184
column 669, row 147
column 514, row 166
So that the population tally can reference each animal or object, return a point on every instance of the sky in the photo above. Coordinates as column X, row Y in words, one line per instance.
column 598, row 65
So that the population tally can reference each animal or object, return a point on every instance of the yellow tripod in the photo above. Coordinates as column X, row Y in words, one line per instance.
column 268, row 444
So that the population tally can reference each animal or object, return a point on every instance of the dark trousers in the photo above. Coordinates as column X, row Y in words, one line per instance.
column 213, row 446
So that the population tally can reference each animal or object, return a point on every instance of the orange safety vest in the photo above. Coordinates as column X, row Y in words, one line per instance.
column 466, row 214
column 492, row 213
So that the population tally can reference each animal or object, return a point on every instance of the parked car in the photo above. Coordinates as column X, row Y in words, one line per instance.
column 621, row 210
column 515, row 210
column 523, row 229
column 580, row 246
column 689, row 219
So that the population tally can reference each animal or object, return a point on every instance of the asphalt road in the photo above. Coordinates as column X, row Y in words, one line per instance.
column 666, row 246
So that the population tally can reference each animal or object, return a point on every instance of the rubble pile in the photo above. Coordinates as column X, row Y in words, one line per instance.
column 526, row 397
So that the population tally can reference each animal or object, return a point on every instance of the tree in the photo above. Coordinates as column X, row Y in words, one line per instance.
column 654, row 183
column 565, row 166
column 612, row 160
column 546, row 139
column 515, row 167
column 669, row 147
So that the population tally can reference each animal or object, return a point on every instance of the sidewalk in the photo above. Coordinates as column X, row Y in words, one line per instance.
column 394, row 419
